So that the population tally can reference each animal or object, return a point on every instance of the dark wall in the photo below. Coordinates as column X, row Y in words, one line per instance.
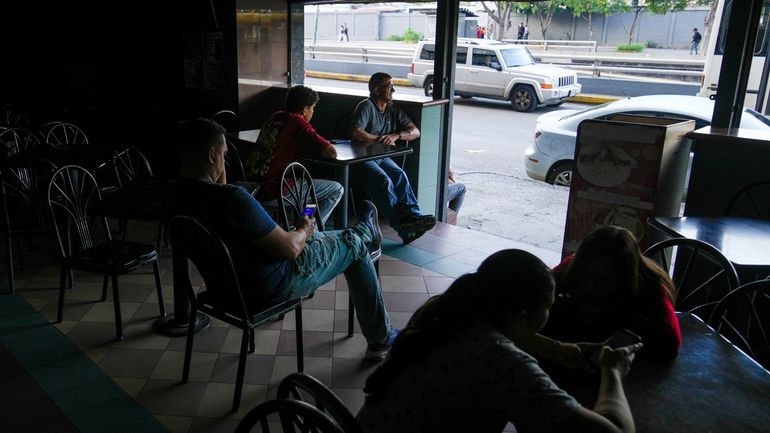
column 115, row 69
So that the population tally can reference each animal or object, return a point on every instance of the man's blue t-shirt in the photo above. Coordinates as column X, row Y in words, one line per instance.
column 240, row 221
column 369, row 118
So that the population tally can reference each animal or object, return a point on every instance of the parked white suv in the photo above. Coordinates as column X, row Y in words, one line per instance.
column 496, row 70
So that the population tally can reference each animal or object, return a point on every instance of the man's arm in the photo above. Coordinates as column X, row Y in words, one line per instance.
column 286, row 245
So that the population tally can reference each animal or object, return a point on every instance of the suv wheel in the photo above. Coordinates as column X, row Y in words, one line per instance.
column 523, row 98
column 428, row 86
column 561, row 174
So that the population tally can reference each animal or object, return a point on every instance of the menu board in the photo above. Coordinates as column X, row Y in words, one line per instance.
column 617, row 177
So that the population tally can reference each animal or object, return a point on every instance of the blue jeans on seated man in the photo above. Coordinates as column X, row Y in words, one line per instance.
column 329, row 194
column 328, row 254
column 389, row 188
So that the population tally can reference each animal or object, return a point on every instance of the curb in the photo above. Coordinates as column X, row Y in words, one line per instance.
column 582, row 98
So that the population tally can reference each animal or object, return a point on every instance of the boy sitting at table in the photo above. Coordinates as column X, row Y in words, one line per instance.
column 286, row 136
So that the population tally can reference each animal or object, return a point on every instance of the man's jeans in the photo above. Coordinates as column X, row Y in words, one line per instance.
column 694, row 48
column 389, row 187
column 455, row 194
column 328, row 254
column 329, row 194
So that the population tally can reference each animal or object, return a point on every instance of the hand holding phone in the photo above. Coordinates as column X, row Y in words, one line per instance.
column 621, row 338
column 309, row 210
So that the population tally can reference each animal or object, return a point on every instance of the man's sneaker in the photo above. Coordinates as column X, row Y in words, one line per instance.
column 415, row 226
column 378, row 351
column 370, row 218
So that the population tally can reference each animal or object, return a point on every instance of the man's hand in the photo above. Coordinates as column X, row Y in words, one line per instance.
column 619, row 359
column 389, row 139
column 452, row 175
column 329, row 152
column 306, row 224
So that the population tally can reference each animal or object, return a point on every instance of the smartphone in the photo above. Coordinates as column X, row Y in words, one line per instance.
column 309, row 210
column 621, row 338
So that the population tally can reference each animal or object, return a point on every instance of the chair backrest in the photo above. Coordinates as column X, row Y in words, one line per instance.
column 23, row 183
column 63, row 135
column 227, row 118
column 296, row 191
column 71, row 190
column 751, row 201
column 303, row 387
column 743, row 317
column 342, row 127
column 17, row 140
column 12, row 117
column 195, row 241
column 234, row 164
column 701, row 273
column 294, row 416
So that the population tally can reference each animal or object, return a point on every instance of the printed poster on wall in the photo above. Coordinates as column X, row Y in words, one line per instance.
column 614, row 181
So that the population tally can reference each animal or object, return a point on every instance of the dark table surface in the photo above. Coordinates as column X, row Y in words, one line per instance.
column 744, row 241
column 710, row 387
column 352, row 152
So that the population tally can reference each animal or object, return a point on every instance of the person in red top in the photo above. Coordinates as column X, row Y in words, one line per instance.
column 286, row 136
column 608, row 285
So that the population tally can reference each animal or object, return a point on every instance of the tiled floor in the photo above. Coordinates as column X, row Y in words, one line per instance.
column 147, row 366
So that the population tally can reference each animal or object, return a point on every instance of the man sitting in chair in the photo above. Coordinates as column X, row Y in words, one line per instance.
column 273, row 264
column 286, row 136
column 378, row 119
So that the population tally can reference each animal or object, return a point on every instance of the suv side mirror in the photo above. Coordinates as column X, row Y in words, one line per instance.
column 496, row 66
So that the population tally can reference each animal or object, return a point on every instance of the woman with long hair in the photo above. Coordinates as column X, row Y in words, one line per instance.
column 609, row 285
column 457, row 367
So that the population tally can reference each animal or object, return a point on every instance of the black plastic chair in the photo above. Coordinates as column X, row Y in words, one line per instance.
column 223, row 297
column 751, row 201
column 303, row 387
column 701, row 273
column 17, row 140
column 63, row 135
column 743, row 317
column 294, row 416
column 23, row 183
column 70, row 191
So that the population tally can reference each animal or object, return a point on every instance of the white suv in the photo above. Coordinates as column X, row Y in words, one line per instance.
column 496, row 70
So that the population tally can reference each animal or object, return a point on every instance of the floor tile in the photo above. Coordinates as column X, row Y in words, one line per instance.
column 132, row 363
column 351, row 372
column 404, row 302
column 349, row 347
column 87, row 402
column 171, row 364
column 208, row 340
column 397, row 267
column 90, row 334
column 450, row 267
column 131, row 386
column 320, row 368
column 265, row 341
column 312, row 320
column 217, row 401
column 438, row 285
column 353, row 398
column 213, row 425
column 321, row 300
column 398, row 283
column 175, row 424
column 142, row 336
column 259, row 369
column 105, row 312
column 316, row 344
column 170, row 397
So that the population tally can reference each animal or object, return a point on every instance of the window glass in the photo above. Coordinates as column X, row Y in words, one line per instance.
column 760, row 48
column 428, row 52
column 517, row 57
column 486, row 58
column 462, row 55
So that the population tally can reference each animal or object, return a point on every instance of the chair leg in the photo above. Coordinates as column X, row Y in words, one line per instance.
column 159, row 287
column 10, row 266
column 300, row 350
column 104, row 287
column 253, row 342
column 189, row 344
column 351, row 316
column 19, row 252
column 241, row 368
column 159, row 241
column 62, row 284
column 116, row 303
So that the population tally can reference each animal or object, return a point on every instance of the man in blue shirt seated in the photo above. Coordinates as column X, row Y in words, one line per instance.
column 377, row 118
column 274, row 264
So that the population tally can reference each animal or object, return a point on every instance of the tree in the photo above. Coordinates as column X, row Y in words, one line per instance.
column 588, row 8
column 500, row 15
column 656, row 7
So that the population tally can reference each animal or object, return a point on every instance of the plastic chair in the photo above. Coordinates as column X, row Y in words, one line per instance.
column 700, row 272
column 303, row 387
column 743, row 317
column 293, row 415
column 223, row 297
column 69, row 192
column 23, row 183
column 751, row 201
column 227, row 118
column 12, row 117
column 17, row 140
column 62, row 135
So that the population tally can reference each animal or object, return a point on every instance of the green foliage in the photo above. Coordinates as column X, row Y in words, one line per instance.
column 411, row 36
column 651, row 44
column 602, row 7
column 396, row 38
column 631, row 48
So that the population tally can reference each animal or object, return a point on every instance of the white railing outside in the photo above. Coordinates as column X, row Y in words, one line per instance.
column 545, row 43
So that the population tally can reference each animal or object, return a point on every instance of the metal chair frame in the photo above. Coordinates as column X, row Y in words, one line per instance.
column 293, row 415
column 711, row 288
column 223, row 297
column 63, row 135
column 751, row 201
column 70, row 191
column 299, row 386
column 743, row 317
column 17, row 140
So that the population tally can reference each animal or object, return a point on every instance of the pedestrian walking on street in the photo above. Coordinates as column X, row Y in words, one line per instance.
column 520, row 31
column 696, row 37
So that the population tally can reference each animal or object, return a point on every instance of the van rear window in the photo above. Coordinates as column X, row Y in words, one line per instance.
column 428, row 52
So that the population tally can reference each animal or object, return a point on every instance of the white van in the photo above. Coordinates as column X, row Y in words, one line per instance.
column 496, row 70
